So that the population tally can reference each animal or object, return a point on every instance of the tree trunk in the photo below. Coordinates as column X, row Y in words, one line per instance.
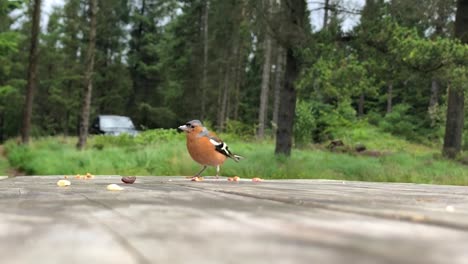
column 454, row 123
column 136, row 79
column 264, row 88
column 32, row 72
column 239, row 77
column 232, row 97
column 205, row 60
column 287, row 108
column 279, row 77
column 434, row 100
column 361, row 105
column 456, row 97
column 389, row 97
column 240, row 62
column 88, row 77
column 295, row 11
column 461, row 21
column 326, row 7
column 223, row 101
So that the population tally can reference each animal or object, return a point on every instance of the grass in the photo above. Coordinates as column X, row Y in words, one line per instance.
column 163, row 152
column 3, row 166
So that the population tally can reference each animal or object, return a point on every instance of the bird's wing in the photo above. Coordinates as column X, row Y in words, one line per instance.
column 219, row 145
column 222, row 147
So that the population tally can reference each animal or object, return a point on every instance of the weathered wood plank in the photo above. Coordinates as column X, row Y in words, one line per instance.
column 431, row 204
column 173, row 220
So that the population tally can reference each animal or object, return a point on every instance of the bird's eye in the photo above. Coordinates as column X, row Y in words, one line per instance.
column 189, row 125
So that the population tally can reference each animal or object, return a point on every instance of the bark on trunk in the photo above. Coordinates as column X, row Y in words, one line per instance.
column 88, row 77
column 205, row 60
column 295, row 11
column 361, row 105
column 135, row 77
column 326, row 7
column 264, row 88
column 461, row 21
column 454, row 124
column 456, row 97
column 223, row 102
column 287, row 108
column 434, row 100
column 32, row 72
column 240, row 61
column 239, row 75
column 389, row 97
column 279, row 77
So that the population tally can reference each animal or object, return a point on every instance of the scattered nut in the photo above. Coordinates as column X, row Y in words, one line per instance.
column 63, row 183
column 197, row 179
column 450, row 208
column 256, row 179
column 89, row 176
column 235, row 178
column 114, row 187
column 128, row 179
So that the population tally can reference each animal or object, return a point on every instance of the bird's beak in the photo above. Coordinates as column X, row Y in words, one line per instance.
column 183, row 128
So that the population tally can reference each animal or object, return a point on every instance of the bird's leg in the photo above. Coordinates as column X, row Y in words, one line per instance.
column 203, row 169
column 217, row 172
column 197, row 176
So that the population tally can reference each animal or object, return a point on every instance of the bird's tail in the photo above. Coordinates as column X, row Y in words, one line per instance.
column 235, row 157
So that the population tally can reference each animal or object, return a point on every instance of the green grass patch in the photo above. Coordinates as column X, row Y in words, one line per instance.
column 3, row 166
column 374, row 138
column 163, row 152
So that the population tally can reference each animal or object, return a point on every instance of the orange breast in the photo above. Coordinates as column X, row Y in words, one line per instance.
column 203, row 151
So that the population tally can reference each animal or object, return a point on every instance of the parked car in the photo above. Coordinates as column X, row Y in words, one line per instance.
column 113, row 125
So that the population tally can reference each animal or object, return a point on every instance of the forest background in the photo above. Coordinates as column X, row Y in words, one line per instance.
column 255, row 69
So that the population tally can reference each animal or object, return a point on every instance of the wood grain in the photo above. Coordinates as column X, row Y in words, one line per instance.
column 173, row 220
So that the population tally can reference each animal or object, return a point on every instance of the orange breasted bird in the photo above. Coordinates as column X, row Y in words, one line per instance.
column 205, row 147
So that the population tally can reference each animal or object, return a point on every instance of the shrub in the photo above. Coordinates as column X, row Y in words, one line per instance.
column 399, row 122
column 318, row 122
column 148, row 137
column 240, row 129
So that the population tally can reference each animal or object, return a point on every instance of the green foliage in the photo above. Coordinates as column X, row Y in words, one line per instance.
column 305, row 123
column 400, row 122
column 157, row 116
column 163, row 152
column 241, row 130
column 151, row 137
column 338, row 77
column 318, row 122
column 10, row 81
column 150, row 63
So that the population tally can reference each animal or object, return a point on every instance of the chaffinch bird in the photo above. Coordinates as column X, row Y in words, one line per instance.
column 205, row 147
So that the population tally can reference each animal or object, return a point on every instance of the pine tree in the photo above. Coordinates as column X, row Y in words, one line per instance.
column 88, row 75
column 456, row 95
column 32, row 71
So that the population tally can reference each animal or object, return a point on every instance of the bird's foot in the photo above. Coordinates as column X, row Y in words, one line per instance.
column 197, row 178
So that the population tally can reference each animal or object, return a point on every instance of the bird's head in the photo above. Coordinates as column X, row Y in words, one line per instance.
column 192, row 126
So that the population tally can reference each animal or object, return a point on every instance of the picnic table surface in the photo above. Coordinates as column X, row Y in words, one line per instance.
column 173, row 220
